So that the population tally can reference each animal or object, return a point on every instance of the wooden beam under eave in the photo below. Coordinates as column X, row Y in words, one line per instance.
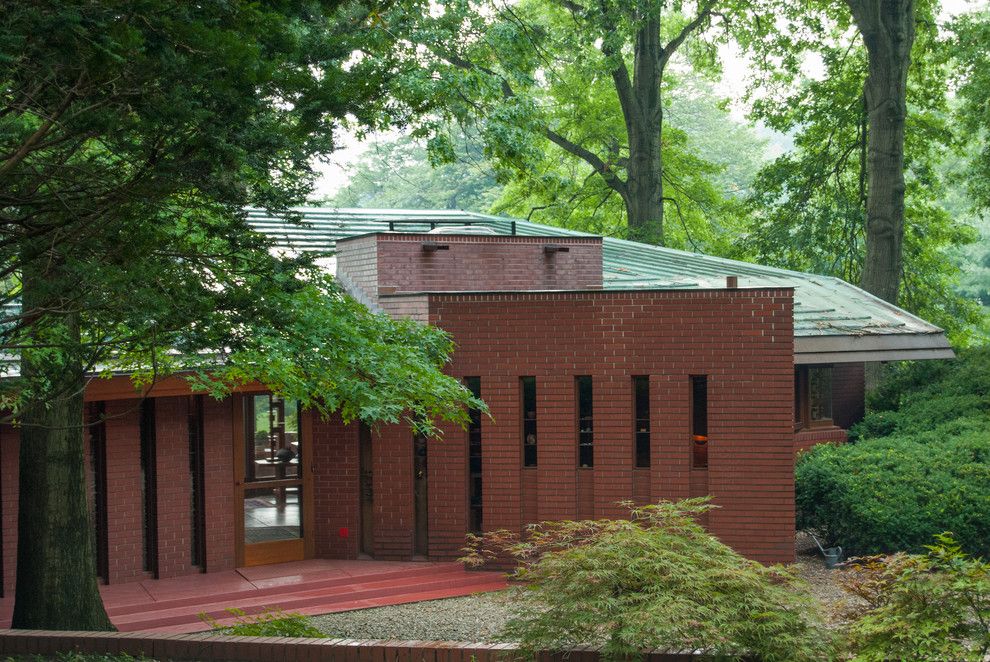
column 120, row 387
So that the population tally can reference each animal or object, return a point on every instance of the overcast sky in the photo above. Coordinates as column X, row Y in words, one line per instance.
column 335, row 173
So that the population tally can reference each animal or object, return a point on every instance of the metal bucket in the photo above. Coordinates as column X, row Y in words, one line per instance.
column 833, row 557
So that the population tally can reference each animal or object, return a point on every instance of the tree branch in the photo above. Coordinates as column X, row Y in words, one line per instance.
column 703, row 13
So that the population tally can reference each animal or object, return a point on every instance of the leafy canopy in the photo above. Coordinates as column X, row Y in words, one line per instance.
column 132, row 136
column 808, row 208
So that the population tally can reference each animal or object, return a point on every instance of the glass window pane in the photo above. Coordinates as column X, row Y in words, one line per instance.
column 820, row 393
column 529, row 421
column 272, row 513
column 272, row 436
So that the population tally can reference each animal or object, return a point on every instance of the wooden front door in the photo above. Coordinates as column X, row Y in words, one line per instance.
column 273, row 483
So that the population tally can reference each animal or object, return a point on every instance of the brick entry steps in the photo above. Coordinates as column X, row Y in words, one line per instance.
column 309, row 587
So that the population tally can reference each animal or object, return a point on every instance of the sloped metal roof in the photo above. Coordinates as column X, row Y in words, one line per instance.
column 833, row 320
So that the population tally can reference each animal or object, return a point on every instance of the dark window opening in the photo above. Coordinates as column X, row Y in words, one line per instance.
column 641, row 421
column 586, row 422
column 149, row 487
column 474, row 459
column 197, row 475
column 98, row 486
column 699, row 421
column 529, row 420
column 812, row 396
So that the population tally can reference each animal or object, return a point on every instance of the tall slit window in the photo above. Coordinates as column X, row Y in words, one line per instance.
column 197, row 472
column 149, row 486
column 528, row 386
column 699, row 421
column 474, row 459
column 98, row 483
column 641, row 422
column 586, row 422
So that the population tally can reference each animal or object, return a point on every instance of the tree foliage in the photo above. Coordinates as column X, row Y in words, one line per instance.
column 398, row 174
column 563, row 91
column 809, row 208
column 655, row 581
column 132, row 135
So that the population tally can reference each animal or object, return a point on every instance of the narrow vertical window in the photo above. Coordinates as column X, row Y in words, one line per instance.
column 149, row 486
column 98, row 485
column 474, row 459
column 197, row 471
column 699, row 421
column 641, row 421
column 586, row 422
column 528, row 385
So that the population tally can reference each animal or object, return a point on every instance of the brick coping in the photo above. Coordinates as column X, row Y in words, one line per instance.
column 210, row 646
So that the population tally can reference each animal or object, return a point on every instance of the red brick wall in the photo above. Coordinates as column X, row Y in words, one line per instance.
column 221, row 511
column 335, row 485
column 174, row 486
column 414, row 307
column 848, row 394
column 741, row 339
column 357, row 266
column 125, row 514
column 481, row 263
column 805, row 439
column 392, row 457
column 9, row 454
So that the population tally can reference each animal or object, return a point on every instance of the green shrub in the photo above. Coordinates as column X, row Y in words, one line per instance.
column 934, row 606
column 921, row 396
column 656, row 580
column 268, row 623
column 921, row 464
column 893, row 494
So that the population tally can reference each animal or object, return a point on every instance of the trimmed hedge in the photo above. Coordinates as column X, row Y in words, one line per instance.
column 919, row 464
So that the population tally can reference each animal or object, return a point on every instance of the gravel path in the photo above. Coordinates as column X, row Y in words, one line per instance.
column 476, row 618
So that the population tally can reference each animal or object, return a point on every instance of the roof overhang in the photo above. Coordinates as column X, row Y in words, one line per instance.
column 868, row 348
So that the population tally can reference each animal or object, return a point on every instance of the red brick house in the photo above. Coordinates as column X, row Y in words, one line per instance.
column 613, row 371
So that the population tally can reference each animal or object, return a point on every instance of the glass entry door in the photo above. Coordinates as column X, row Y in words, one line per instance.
column 272, row 484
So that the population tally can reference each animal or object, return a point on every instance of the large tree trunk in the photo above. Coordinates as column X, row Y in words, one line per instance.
column 644, row 172
column 56, row 567
column 888, row 29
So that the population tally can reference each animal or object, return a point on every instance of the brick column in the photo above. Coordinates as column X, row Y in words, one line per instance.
column 393, row 488
column 221, row 511
column 125, row 513
column 174, row 487
column 335, row 487
column 9, row 458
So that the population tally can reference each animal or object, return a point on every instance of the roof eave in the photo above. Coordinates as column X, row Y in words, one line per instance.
column 869, row 348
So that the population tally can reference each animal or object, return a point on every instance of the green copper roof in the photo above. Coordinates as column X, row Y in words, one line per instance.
column 824, row 306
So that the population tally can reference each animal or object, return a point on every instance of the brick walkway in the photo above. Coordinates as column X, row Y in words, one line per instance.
column 317, row 586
